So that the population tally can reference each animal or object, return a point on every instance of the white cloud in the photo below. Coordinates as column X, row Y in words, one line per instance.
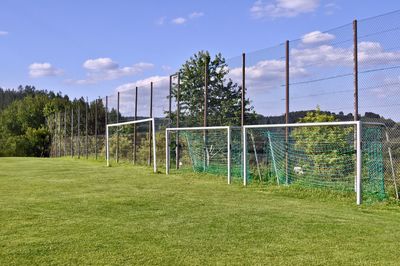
column 179, row 20
column 100, row 69
column 38, row 70
column 3, row 33
column 160, row 93
column 100, row 64
column 283, row 8
column 325, row 55
column 372, row 53
column 161, row 81
column 317, row 37
column 369, row 54
column 266, row 74
column 196, row 15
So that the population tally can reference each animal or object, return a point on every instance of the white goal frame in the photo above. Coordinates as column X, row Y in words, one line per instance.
column 358, row 136
column 177, row 129
column 153, row 130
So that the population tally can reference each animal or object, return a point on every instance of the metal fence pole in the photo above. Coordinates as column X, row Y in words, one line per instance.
column 72, row 132
column 150, row 124
column 79, row 130
column 205, row 110
column 65, row 132
column 242, row 118
column 134, row 127
column 117, row 150
column 95, row 128
column 355, row 59
column 86, row 129
column 287, row 112
column 106, row 119
column 59, row 134
column 178, row 111
column 170, row 100
column 167, row 154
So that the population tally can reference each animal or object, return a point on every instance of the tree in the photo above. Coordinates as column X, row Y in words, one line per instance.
column 224, row 96
column 328, row 148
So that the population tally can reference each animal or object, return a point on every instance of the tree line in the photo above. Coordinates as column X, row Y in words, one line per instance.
column 26, row 112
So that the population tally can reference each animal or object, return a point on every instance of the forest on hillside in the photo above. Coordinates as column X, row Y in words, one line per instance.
column 24, row 114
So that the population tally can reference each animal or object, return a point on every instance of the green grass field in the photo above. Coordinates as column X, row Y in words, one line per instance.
column 64, row 211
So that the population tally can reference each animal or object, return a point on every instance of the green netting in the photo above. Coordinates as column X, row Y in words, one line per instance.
column 318, row 156
column 207, row 151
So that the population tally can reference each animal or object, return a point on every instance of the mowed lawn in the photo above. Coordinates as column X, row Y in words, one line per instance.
column 65, row 211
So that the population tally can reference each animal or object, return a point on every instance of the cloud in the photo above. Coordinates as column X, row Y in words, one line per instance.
column 3, row 33
column 160, row 93
column 196, row 15
column 266, row 74
column 100, row 64
column 38, row 70
column 283, row 8
column 100, row 69
column 183, row 20
column 369, row 54
column 325, row 55
column 372, row 53
column 317, row 37
column 161, row 81
column 270, row 74
column 179, row 20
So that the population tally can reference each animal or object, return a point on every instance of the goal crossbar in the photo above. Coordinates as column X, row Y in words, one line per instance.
column 153, row 130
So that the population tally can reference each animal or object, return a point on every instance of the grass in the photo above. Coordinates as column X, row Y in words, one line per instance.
column 64, row 211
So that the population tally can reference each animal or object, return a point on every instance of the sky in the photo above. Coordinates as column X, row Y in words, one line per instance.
column 94, row 48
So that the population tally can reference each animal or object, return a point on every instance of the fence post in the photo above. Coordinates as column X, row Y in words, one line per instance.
column 134, row 127
column 72, row 132
column 79, row 130
column 150, row 125
column 106, row 120
column 170, row 100
column 178, row 111
column 95, row 127
column 242, row 121
column 287, row 112
column 86, row 128
column 117, row 150
column 205, row 110
column 59, row 134
column 65, row 132
column 355, row 59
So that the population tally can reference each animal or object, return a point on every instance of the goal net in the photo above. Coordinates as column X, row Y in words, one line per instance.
column 214, row 150
column 344, row 156
column 132, row 142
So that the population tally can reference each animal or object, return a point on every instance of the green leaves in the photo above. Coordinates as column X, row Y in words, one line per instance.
column 224, row 96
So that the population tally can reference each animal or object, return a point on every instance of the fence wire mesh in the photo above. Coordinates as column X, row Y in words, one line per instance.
column 321, row 74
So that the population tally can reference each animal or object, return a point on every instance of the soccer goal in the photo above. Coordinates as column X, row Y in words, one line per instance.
column 346, row 156
column 215, row 150
column 131, row 141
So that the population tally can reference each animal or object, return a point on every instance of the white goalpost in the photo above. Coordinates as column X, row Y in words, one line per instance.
column 150, row 121
column 202, row 141
column 320, row 154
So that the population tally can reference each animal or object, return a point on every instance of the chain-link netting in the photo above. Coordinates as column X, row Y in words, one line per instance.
column 319, row 156
column 206, row 151
column 320, row 69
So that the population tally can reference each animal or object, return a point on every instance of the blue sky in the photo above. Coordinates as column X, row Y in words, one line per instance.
column 90, row 48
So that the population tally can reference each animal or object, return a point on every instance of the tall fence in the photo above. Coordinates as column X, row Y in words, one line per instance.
column 352, row 71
